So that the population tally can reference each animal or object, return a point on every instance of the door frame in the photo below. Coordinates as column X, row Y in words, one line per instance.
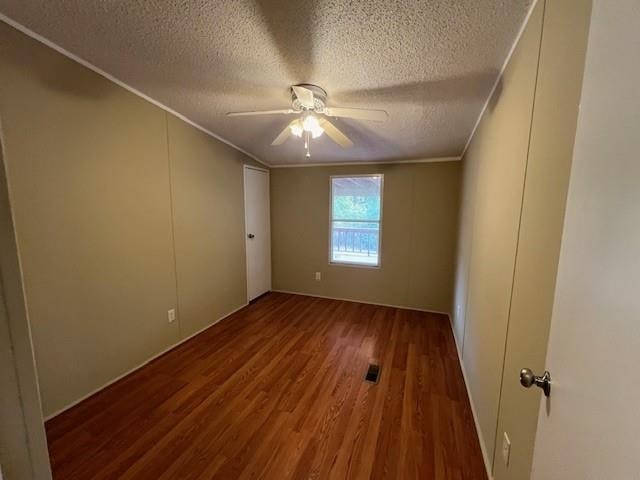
column 246, row 240
column 30, row 452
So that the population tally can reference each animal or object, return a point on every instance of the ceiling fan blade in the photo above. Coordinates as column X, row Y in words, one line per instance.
column 284, row 134
column 357, row 113
column 304, row 95
column 334, row 134
column 261, row 112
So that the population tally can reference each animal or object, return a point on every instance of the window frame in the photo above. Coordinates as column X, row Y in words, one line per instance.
column 330, row 236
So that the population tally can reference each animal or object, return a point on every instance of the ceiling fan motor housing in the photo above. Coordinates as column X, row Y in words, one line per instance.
column 319, row 98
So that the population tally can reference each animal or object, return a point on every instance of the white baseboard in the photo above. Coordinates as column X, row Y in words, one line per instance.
column 120, row 377
column 483, row 447
column 361, row 301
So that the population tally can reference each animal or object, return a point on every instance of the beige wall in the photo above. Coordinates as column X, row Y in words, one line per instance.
column 494, row 166
column 92, row 169
column 420, row 204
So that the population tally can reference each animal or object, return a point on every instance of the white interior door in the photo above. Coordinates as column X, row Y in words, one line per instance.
column 590, row 427
column 258, row 231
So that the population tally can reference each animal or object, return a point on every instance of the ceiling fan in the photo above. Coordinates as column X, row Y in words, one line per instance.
column 309, row 104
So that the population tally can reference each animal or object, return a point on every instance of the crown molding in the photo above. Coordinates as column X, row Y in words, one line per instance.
column 90, row 66
column 500, row 75
column 117, row 81
column 356, row 163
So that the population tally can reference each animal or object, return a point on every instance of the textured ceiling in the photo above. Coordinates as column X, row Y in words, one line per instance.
column 429, row 63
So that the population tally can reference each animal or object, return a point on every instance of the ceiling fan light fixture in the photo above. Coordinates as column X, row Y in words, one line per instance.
column 310, row 123
column 296, row 129
column 315, row 133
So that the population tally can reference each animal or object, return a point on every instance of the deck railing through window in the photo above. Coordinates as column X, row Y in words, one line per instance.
column 356, row 240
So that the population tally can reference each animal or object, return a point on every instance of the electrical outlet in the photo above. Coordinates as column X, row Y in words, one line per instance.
column 171, row 315
column 318, row 276
column 506, row 448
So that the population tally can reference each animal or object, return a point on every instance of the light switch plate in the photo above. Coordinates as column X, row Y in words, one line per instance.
column 318, row 276
column 171, row 315
column 506, row 448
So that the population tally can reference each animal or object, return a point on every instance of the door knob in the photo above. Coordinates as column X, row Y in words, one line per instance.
column 251, row 235
column 528, row 379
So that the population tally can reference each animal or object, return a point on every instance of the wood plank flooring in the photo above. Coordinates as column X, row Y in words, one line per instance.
column 276, row 391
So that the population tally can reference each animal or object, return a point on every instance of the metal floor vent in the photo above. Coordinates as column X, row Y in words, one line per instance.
column 373, row 373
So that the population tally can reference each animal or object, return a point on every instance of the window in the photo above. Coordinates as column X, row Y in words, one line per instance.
column 356, row 212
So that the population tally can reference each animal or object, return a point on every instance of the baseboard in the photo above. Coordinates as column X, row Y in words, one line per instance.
column 149, row 360
column 361, row 301
column 483, row 447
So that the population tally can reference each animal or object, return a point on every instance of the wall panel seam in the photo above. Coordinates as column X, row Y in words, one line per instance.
column 173, row 228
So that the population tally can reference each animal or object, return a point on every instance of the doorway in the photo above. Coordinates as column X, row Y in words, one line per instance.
column 23, row 445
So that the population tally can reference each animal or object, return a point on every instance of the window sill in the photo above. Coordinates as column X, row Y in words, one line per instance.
column 356, row 265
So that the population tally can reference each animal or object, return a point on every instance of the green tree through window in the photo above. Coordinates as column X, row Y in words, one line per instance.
column 349, row 207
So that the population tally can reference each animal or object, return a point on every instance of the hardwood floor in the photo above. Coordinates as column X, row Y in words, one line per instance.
column 276, row 391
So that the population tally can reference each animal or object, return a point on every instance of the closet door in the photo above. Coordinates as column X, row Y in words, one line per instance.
column 258, row 239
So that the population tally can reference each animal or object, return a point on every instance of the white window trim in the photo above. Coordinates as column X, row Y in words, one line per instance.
column 330, row 237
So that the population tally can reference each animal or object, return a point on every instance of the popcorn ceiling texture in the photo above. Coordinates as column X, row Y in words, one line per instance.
column 429, row 63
